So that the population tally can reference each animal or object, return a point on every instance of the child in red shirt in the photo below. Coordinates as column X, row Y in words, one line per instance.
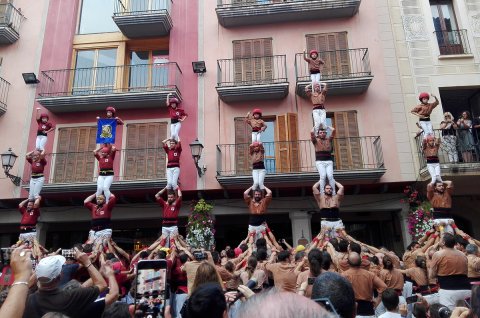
column 44, row 127
column 177, row 116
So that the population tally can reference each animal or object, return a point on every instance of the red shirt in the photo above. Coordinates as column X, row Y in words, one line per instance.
column 106, row 163
column 102, row 212
column 170, row 212
column 37, row 166
column 179, row 277
column 43, row 127
column 29, row 218
column 173, row 155
column 176, row 113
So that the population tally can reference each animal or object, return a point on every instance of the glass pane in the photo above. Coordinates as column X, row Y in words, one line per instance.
column 139, row 69
column 436, row 18
column 449, row 17
column 83, row 77
column 96, row 17
column 105, row 72
column 160, row 70
column 268, row 140
column 138, row 5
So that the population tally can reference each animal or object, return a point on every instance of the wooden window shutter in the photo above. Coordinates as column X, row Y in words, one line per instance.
column 144, row 154
column 348, row 151
column 250, row 64
column 287, row 148
column 242, row 142
column 74, row 161
column 333, row 49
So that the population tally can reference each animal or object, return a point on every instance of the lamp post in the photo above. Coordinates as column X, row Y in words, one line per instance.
column 8, row 161
column 196, row 148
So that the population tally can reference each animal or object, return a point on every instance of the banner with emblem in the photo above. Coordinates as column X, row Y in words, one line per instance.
column 106, row 130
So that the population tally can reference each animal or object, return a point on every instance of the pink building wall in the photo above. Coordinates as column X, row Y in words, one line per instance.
column 57, row 55
column 20, row 57
column 373, row 109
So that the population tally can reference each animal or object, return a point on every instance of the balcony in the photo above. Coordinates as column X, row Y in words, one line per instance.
column 126, row 87
column 252, row 78
column 459, row 155
column 293, row 162
column 143, row 19
column 10, row 20
column 453, row 42
column 140, row 169
column 4, row 87
column 233, row 13
column 345, row 71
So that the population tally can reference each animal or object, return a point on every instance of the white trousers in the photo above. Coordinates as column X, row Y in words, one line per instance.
column 40, row 142
column 36, row 185
column 175, row 131
column 103, row 185
column 450, row 147
column 172, row 177
column 103, row 234
column 319, row 120
column 449, row 298
column 29, row 236
column 447, row 227
column 315, row 78
column 257, row 230
column 325, row 170
column 258, row 177
column 331, row 227
column 256, row 136
column 169, row 230
column 426, row 127
column 434, row 170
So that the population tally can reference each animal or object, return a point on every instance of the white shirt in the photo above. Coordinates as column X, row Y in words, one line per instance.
column 390, row 314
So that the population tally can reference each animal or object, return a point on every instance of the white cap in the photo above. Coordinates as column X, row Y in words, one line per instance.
column 49, row 268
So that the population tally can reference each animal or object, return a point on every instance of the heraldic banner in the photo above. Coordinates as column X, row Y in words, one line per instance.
column 106, row 130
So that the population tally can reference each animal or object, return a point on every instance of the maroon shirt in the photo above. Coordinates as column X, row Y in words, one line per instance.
column 106, row 163
column 37, row 166
column 170, row 212
column 179, row 277
column 104, row 211
column 43, row 127
column 176, row 113
column 173, row 155
column 29, row 218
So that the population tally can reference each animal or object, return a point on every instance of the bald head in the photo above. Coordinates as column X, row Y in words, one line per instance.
column 354, row 259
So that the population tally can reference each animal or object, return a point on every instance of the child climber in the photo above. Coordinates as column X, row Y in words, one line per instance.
column 177, row 116
column 256, row 122
column 315, row 66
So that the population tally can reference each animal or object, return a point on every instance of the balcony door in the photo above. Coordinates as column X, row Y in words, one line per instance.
column 148, row 70
column 95, row 72
column 73, row 160
column 333, row 49
column 446, row 29
column 143, row 6
column 253, row 61
column 347, row 145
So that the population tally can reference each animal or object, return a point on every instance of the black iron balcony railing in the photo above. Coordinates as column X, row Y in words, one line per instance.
column 453, row 42
column 252, row 71
column 4, row 87
column 10, row 17
column 110, row 80
column 243, row 3
column 82, row 167
column 350, row 154
column 457, row 146
column 339, row 64
column 129, row 7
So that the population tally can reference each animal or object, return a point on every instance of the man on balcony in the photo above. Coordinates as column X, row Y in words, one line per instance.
column 257, row 224
column 101, row 212
column 317, row 96
column 171, row 209
column 329, row 205
column 323, row 157
column 173, row 150
column 440, row 196
column 423, row 111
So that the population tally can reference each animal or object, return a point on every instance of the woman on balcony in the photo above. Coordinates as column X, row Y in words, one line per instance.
column 449, row 135
column 465, row 136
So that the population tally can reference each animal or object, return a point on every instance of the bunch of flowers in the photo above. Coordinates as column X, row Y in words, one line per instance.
column 201, row 226
column 419, row 217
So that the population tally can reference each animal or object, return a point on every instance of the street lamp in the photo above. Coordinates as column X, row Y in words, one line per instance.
column 196, row 147
column 8, row 160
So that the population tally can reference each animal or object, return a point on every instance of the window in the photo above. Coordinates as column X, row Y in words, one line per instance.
column 74, row 161
column 450, row 39
column 347, row 146
column 333, row 49
column 94, row 71
column 141, row 6
column 148, row 69
column 253, row 61
column 96, row 17
column 144, row 154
